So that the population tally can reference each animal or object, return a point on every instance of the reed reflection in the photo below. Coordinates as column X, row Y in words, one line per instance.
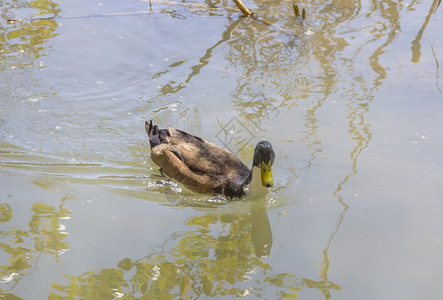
column 25, row 38
column 415, row 45
column 22, row 247
column 22, row 44
column 173, row 86
column 221, row 254
column 339, row 74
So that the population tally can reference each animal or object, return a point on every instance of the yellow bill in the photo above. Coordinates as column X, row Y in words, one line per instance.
column 266, row 174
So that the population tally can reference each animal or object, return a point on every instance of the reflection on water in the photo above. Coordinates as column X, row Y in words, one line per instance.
column 21, row 247
column 261, row 234
column 45, row 226
column 25, row 38
column 212, row 257
column 416, row 46
column 5, row 212
column 315, row 78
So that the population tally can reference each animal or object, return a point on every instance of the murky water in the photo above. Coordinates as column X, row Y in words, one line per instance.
column 351, row 99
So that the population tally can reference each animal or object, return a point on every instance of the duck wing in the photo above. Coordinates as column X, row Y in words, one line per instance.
column 202, row 156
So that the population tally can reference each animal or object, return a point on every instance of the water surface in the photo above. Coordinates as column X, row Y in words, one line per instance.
column 351, row 99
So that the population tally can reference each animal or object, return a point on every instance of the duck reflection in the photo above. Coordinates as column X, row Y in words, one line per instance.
column 261, row 233
column 213, row 257
column 260, row 228
column 220, row 252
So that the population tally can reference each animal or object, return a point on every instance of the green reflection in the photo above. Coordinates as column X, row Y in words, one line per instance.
column 218, row 256
column 415, row 45
column 23, row 246
column 26, row 37
column 261, row 233
column 5, row 212
column 46, row 228
column 339, row 76
column 278, row 65
column 22, row 44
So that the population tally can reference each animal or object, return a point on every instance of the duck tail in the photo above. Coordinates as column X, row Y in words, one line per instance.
column 149, row 128
column 156, row 136
column 152, row 132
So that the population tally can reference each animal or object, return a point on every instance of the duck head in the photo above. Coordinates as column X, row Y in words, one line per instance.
column 263, row 159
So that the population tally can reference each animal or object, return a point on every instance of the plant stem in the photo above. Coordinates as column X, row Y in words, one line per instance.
column 243, row 8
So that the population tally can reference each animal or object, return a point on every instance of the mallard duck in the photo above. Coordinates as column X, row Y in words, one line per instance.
column 207, row 168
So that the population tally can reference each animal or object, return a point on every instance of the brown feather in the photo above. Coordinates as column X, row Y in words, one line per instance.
column 199, row 164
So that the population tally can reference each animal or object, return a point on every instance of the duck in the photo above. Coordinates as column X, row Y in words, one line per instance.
column 207, row 168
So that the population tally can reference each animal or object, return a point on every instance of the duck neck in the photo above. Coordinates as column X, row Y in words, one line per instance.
column 254, row 186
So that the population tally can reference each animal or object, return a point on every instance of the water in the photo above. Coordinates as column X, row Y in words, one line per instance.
column 351, row 99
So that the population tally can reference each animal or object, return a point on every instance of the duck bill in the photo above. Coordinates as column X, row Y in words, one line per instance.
column 266, row 174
